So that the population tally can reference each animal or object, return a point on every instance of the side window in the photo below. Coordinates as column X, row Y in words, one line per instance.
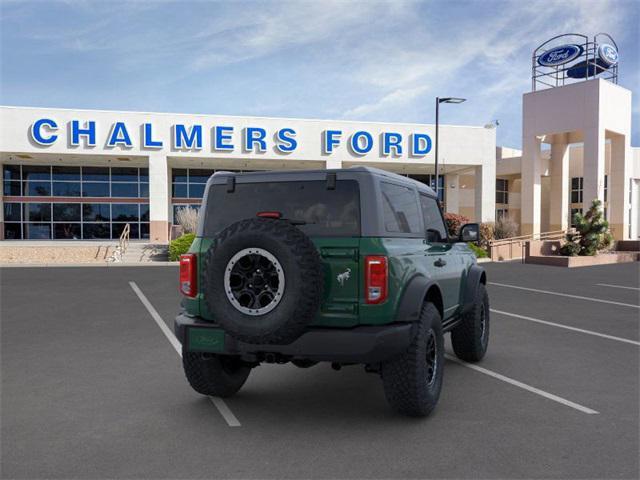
column 400, row 209
column 433, row 223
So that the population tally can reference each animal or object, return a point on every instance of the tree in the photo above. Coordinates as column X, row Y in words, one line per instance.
column 592, row 233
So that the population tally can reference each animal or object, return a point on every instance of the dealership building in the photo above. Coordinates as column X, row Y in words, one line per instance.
column 85, row 174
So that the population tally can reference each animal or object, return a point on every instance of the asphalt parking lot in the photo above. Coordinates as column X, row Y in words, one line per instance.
column 93, row 388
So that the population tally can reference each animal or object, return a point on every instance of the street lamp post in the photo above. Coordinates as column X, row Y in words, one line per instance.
column 438, row 102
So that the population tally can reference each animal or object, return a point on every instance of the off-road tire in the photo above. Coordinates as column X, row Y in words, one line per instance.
column 303, row 274
column 470, row 338
column 214, row 375
column 405, row 376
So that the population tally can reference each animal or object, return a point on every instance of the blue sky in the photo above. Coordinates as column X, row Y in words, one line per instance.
column 368, row 60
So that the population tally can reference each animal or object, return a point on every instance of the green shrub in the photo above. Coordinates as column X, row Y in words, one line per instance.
column 454, row 222
column 592, row 233
column 480, row 252
column 180, row 245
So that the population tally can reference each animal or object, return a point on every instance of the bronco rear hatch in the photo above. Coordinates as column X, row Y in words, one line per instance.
column 327, row 211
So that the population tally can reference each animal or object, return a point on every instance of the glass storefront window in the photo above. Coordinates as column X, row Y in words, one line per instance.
column 36, row 172
column 31, row 220
column 37, row 212
column 66, row 189
column 124, row 212
column 70, row 231
column 13, row 231
column 189, row 182
column 144, row 212
column 96, row 212
column 70, row 220
column 12, row 188
column 196, row 190
column 66, row 212
column 96, row 231
column 124, row 190
column 11, row 172
column 179, row 190
column 128, row 174
column 37, row 231
column 37, row 189
column 95, row 189
column 66, row 173
column 12, row 212
column 95, row 174
column 197, row 175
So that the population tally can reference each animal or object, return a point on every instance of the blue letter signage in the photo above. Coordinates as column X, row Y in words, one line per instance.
column 421, row 144
column 119, row 136
column 89, row 132
column 36, row 131
column 190, row 140
column 286, row 140
column 147, row 138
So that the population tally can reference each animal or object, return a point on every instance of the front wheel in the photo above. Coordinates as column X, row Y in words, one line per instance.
column 413, row 380
column 470, row 338
column 214, row 375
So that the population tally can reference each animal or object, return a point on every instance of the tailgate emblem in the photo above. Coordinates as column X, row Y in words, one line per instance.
column 343, row 277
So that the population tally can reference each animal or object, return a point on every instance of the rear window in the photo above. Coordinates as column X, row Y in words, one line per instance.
column 327, row 213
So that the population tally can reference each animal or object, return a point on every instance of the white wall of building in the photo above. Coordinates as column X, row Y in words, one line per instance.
column 461, row 147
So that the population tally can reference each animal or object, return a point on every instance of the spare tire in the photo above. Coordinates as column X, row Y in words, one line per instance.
column 262, row 281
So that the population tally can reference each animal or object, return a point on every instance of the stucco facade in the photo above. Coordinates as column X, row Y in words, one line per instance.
column 160, row 144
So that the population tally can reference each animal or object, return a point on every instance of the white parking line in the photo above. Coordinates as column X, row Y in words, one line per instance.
column 219, row 403
column 617, row 286
column 524, row 386
column 545, row 322
column 590, row 299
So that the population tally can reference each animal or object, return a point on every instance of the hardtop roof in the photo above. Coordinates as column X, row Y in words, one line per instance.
column 273, row 175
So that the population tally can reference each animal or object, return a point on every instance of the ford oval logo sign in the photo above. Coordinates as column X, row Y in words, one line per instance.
column 560, row 55
column 608, row 54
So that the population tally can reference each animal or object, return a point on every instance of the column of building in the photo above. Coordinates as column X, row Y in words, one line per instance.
column 531, row 185
column 159, row 198
column 559, row 195
column 619, row 186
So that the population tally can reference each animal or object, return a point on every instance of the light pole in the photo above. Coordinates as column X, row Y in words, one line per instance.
column 438, row 102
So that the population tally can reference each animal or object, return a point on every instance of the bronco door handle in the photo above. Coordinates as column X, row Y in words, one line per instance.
column 440, row 263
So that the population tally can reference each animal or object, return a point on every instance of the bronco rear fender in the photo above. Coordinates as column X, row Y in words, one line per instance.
column 475, row 277
column 413, row 297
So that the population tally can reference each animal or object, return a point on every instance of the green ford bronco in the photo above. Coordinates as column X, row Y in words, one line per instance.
column 350, row 266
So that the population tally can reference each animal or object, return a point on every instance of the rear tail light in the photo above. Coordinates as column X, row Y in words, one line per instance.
column 188, row 275
column 376, row 279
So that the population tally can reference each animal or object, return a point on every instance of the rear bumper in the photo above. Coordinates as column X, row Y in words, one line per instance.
column 364, row 344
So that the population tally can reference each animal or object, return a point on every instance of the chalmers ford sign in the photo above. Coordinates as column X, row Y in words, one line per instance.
column 45, row 132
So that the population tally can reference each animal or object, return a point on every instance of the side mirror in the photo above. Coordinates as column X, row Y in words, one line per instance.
column 470, row 232
column 433, row 236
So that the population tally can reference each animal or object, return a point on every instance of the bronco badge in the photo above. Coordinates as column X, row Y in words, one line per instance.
column 343, row 277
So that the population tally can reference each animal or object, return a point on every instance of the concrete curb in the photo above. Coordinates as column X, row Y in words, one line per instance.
column 95, row 265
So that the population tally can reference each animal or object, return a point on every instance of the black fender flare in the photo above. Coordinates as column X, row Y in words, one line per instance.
column 475, row 277
column 410, row 304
